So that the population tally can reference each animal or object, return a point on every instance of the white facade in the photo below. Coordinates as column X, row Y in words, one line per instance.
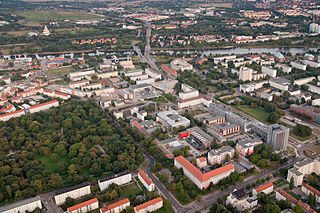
column 116, row 207
column 280, row 84
column 285, row 68
column 180, row 64
column 311, row 63
column 303, row 81
column 265, row 188
column 81, row 73
column 44, row 106
column 78, row 84
column 218, row 156
column 316, row 102
column 314, row 89
column 269, row 71
column 189, row 103
column 91, row 86
column 119, row 179
column 73, row 193
column 8, row 116
column 146, row 81
column 146, row 181
column 245, row 74
column 172, row 119
column 188, row 92
column 149, row 206
column 153, row 74
column 84, row 207
column 139, row 77
column 28, row 205
column 298, row 65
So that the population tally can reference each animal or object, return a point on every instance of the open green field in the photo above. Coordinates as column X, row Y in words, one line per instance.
column 313, row 151
column 51, row 165
column 128, row 190
column 301, row 138
column 60, row 71
column 257, row 113
column 56, row 15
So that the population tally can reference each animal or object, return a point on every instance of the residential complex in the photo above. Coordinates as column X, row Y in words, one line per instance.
column 146, row 181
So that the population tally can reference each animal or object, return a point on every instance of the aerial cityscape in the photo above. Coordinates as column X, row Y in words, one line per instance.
column 136, row 106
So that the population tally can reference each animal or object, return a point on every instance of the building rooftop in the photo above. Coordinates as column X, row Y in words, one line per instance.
column 240, row 194
column 264, row 187
column 64, row 190
column 115, row 205
column 221, row 150
column 113, row 176
column 20, row 203
column 80, row 205
column 147, row 204
column 145, row 177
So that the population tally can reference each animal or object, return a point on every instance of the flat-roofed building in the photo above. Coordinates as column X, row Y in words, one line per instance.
column 146, row 181
column 91, row 86
column 84, row 207
column 149, row 206
column 278, row 136
column 265, row 188
column 27, row 205
column 118, row 179
column 201, row 180
column 211, row 119
column 202, row 162
column 241, row 200
column 73, row 192
column 228, row 129
column 303, row 81
column 78, row 84
column 218, row 156
column 116, row 207
column 280, row 84
column 200, row 136
column 172, row 119
column 246, row 147
column 284, row 68
column 298, row 65
column 81, row 73
column 269, row 71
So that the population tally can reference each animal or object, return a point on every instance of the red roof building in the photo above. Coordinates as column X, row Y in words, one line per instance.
column 116, row 207
column 266, row 188
column 85, row 206
column 146, row 181
column 149, row 206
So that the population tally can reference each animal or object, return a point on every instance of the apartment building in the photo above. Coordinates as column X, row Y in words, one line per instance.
column 245, row 74
column 241, row 200
column 298, row 65
column 27, row 205
column 283, row 195
column 201, row 180
column 84, row 207
column 78, row 84
column 303, row 81
column 43, row 106
column 73, row 192
column 307, row 189
column 116, row 207
column 118, row 179
column 218, row 156
column 146, row 181
column 269, row 71
column 246, row 147
column 149, row 206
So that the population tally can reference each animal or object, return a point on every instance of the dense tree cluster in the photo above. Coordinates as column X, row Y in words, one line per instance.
column 72, row 143
column 302, row 130
column 264, row 157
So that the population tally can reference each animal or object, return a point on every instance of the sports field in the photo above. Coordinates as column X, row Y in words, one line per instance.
column 257, row 112
column 56, row 15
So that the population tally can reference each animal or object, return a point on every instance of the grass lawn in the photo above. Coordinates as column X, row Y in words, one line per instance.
column 56, row 15
column 257, row 113
column 313, row 151
column 60, row 71
column 130, row 189
column 51, row 165
column 301, row 138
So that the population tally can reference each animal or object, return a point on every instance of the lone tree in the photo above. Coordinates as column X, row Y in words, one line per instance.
column 291, row 185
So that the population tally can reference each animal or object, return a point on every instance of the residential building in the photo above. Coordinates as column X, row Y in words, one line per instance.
column 283, row 195
column 91, row 86
column 118, row 179
column 81, row 74
column 168, row 70
column 116, row 207
column 314, row 89
column 245, row 74
column 73, row 192
column 201, row 180
column 27, row 205
column 43, row 106
column 149, row 206
column 202, row 162
column 146, row 181
column 265, row 188
column 228, row 129
column 218, row 156
column 307, row 189
column 54, row 94
column 311, row 63
column 280, row 84
column 133, row 72
column 152, row 74
column 284, row 68
column 9, row 115
column 278, row 137
column 310, row 112
column 269, row 71
column 199, row 136
column 303, row 168
column 241, row 200
column 267, row 96
column 246, row 147
column 78, row 84
column 84, row 207
column 171, row 119
column 298, row 65
column 303, row 81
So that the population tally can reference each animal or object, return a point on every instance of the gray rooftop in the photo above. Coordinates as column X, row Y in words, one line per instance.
column 221, row 150
column 20, row 203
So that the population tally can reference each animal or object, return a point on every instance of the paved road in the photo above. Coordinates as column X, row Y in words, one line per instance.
column 49, row 203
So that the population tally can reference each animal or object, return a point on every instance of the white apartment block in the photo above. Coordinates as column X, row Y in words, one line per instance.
column 241, row 200
column 202, row 162
column 312, row 63
column 74, row 192
column 139, row 77
column 303, row 81
column 119, row 179
column 285, row 68
column 54, row 94
column 202, row 181
column 188, row 92
column 146, row 81
column 245, row 74
column 307, row 189
column 28, row 205
column 218, row 156
column 81, row 73
column 116, row 207
column 298, row 65
column 15, row 114
column 269, row 71
column 180, row 64
column 43, row 106
column 303, row 168
column 314, row 89
column 78, row 84
column 280, row 84
column 216, row 60
column 146, row 181
column 91, row 86
column 149, row 206
column 133, row 72
column 84, row 207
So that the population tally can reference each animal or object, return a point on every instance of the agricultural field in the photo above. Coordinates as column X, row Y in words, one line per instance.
column 53, row 15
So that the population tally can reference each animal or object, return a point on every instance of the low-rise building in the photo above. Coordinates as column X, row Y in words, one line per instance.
column 84, row 207
column 153, row 74
column 78, row 84
column 180, row 64
column 265, row 188
column 283, row 195
column 298, row 65
column 91, row 86
column 307, row 189
column 246, row 147
column 241, row 200
column 280, row 84
column 43, row 106
column 149, row 206
column 201, row 180
column 54, row 94
column 218, row 156
column 311, row 113
column 202, row 162
column 171, row 119
column 284, row 68
column 228, row 129
column 269, row 71
column 303, row 81
column 146, row 181
column 9, row 115
column 27, row 205
column 73, row 192
column 116, row 207
column 118, row 179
